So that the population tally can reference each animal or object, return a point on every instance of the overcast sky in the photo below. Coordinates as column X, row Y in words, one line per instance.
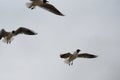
column 90, row 25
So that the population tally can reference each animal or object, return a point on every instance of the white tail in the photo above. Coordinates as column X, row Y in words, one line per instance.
column 4, row 40
column 28, row 4
column 67, row 61
column 9, row 41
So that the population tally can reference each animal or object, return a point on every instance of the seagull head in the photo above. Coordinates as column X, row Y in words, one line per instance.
column 45, row 1
column 78, row 50
column 13, row 32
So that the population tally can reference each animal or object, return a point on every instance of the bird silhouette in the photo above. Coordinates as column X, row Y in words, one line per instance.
column 45, row 5
column 8, row 36
column 69, row 58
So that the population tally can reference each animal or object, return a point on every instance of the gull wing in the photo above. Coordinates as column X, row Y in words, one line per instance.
column 51, row 8
column 26, row 31
column 86, row 55
column 66, row 55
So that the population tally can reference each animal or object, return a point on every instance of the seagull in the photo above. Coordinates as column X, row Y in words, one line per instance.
column 45, row 5
column 8, row 36
column 70, row 57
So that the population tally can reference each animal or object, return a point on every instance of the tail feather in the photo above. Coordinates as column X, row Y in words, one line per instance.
column 67, row 61
column 28, row 5
column 5, row 41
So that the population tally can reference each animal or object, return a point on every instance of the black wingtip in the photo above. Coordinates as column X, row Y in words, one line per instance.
column 93, row 56
column 0, row 37
column 60, row 55
column 1, row 33
column 33, row 33
column 62, row 15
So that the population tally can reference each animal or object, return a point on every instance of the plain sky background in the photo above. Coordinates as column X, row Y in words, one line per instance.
column 90, row 25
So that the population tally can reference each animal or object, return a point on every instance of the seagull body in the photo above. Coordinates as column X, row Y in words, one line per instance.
column 45, row 5
column 69, row 58
column 8, row 36
column 35, row 3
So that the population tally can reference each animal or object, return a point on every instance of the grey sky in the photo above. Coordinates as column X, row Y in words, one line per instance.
column 90, row 25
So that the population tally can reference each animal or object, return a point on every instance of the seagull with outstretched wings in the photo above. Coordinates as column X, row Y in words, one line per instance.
column 45, row 5
column 70, row 57
column 8, row 36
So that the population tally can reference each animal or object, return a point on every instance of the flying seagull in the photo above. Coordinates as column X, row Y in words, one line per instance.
column 70, row 57
column 45, row 5
column 8, row 36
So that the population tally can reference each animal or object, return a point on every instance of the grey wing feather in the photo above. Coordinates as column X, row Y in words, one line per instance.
column 66, row 55
column 87, row 55
column 51, row 8
column 25, row 31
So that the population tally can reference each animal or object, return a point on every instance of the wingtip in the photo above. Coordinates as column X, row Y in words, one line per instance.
column 33, row 33
column 60, row 55
column 61, row 14
column 36, row 34
column 95, row 56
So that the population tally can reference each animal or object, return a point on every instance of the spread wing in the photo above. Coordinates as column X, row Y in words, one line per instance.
column 66, row 55
column 87, row 55
column 51, row 8
column 25, row 31
column 2, row 33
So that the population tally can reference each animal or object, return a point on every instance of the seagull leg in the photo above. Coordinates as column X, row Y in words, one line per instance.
column 31, row 6
column 7, row 41
column 10, row 42
column 69, row 64
column 72, row 63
